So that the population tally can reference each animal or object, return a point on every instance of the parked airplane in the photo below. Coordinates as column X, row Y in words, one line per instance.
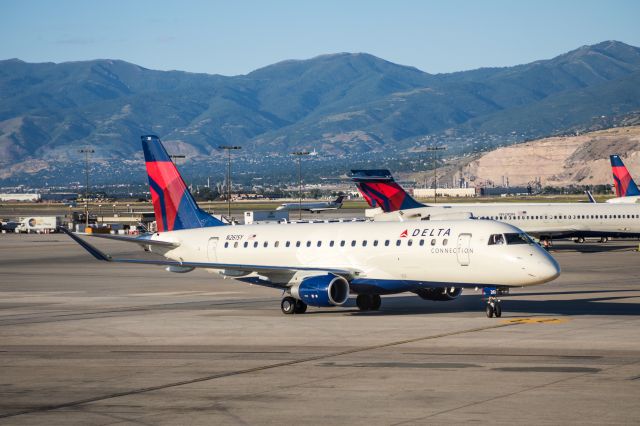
column 542, row 220
column 627, row 191
column 320, row 264
column 315, row 207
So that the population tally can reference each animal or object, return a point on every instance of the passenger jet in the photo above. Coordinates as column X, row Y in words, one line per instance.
column 321, row 264
column 542, row 220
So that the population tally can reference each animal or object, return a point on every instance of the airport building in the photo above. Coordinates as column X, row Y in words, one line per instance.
column 444, row 192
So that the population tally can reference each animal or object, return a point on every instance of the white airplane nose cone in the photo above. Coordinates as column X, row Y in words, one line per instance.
column 545, row 270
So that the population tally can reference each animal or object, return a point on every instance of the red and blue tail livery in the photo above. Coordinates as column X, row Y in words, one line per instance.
column 625, row 186
column 379, row 189
column 173, row 204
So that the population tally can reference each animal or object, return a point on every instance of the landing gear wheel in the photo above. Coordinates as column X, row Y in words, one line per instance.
column 497, row 310
column 376, row 301
column 288, row 305
column 489, row 310
column 364, row 302
column 300, row 307
column 580, row 240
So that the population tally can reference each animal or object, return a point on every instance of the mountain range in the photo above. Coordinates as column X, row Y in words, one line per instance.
column 339, row 104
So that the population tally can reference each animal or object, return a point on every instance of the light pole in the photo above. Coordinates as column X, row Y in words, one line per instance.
column 86, row 152
column 229, row 148
column 435, row 150
column 299, row 154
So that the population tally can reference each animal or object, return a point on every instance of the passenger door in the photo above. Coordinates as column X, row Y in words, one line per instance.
column 464, row 249
column 212, row 249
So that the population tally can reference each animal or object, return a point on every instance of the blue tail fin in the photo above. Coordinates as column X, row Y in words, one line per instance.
column 173, row 204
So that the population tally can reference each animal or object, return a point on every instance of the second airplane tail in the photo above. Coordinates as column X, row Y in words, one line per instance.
column 625, row 186
column 379, row 189
column 173, row 204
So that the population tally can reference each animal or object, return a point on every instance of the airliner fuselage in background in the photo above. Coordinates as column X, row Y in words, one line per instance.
column 543, row 220
column 321, row 264
column 315, row 207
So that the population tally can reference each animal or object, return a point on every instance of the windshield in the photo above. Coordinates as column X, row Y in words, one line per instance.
column 517, row 238
column 511, row 238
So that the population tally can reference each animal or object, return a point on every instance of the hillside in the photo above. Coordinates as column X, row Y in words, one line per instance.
column 555, row 161
column 347, row 104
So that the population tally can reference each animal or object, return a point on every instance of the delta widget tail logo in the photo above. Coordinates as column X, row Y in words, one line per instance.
column 173, row 204
column 622, row 180
column 379, row 189
column 404, row 233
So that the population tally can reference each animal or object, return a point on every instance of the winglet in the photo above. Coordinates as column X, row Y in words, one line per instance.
column 85, row 245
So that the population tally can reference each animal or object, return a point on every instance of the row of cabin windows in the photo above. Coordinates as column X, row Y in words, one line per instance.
column 571, row 217
column 332, row 243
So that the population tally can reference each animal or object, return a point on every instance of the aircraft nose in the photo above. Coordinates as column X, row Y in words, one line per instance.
column 545, row 269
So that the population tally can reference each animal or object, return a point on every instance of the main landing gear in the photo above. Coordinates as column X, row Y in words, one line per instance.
column 291, row 305
column 368, row 302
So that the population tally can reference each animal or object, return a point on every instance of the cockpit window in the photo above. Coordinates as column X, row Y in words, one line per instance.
column 517, row 238
column 496, row 239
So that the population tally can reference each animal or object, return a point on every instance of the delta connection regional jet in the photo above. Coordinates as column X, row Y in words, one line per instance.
column 320, row 264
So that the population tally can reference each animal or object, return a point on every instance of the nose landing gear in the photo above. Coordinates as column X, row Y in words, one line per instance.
column 494, row 305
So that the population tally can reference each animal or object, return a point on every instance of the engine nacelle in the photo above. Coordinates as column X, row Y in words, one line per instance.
column 322, row 290
column 439, row 293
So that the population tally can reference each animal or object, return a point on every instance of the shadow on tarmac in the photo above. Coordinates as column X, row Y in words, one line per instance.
column 602, row 303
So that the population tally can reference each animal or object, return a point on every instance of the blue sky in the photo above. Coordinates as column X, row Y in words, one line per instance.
column 236, row 37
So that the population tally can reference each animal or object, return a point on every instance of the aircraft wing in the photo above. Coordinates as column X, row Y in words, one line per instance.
column 265, row 269
column 137, row 240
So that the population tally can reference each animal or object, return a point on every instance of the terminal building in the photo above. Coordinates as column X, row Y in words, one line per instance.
column 444, row 192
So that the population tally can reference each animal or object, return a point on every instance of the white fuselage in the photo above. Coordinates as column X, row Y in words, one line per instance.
column 390, row 256
column 316, row 207
column 632, row 199
column 540, row 219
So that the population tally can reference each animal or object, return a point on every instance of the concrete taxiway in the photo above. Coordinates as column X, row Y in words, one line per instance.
column 84, row 342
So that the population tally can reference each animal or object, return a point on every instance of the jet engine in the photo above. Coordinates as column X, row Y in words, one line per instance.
column 322, row 290
column 439, row 293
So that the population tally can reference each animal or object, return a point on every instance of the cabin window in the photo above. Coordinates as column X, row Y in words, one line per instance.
column 226, row 245
column 342, row 243
column 353, row 243
column 409, row 243
column 297, row 243
column 287, row 244
column 375, row 243
column 421, row 242
column 266, row 244
column 255, row 244
column 319, row 244
column 386, row 242
column 276, row 244
column 246, row 244
column 235, row 245
column 308, row 243
column 444, row 242
column 398, row 242
column 364, row 243
column 331, row 243
column 433, row 242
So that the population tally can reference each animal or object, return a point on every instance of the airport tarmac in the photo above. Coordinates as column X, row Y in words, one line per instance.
column 84, row 342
